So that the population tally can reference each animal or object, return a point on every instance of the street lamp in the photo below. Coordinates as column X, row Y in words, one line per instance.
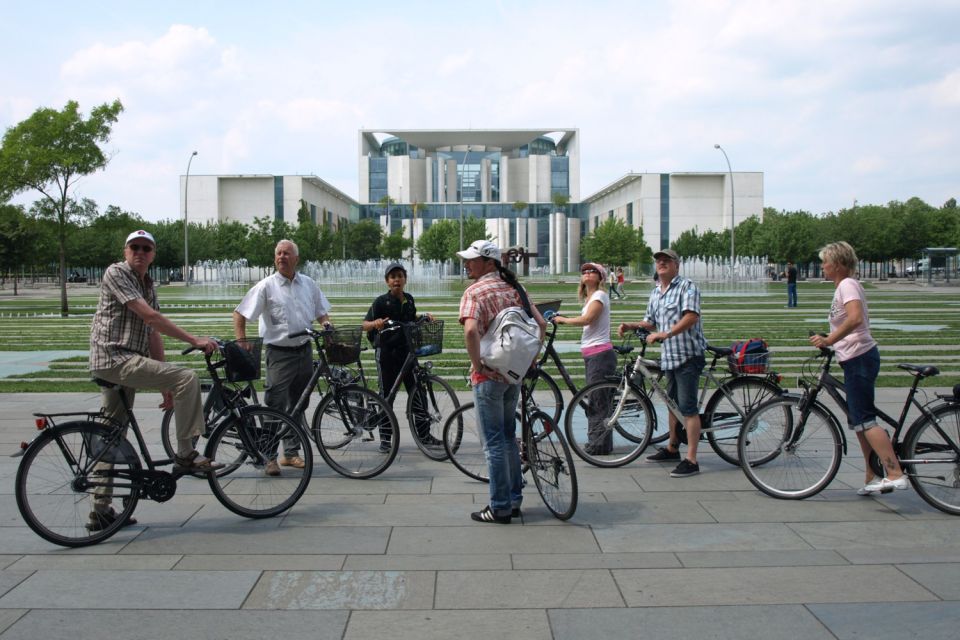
column 461, row 175
column 186, row 241
column 733, row 273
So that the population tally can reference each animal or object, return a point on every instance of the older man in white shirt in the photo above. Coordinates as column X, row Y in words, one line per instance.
column 285, row 302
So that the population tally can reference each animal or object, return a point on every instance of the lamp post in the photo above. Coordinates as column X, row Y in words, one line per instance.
column 460, row 176
column 733, row 272
column 186, row 240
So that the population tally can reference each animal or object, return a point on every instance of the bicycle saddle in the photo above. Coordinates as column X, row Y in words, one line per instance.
column 924, row 371
column 720, row 351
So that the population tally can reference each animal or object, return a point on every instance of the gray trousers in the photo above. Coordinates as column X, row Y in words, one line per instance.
column 598, row 366
column 288, row 373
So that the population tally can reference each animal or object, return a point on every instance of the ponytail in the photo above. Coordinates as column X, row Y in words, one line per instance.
column 508, row 276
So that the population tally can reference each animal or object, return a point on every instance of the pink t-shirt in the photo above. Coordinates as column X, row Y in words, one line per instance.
column 858, row 341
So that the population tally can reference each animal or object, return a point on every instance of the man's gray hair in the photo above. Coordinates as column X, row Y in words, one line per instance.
column 296, row 249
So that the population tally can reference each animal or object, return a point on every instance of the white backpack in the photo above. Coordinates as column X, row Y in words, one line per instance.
column 511, row 343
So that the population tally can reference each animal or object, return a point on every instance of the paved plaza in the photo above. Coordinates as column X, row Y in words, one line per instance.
column 645, row 556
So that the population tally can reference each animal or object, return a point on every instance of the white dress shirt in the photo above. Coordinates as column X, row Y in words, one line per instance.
column 284, row 306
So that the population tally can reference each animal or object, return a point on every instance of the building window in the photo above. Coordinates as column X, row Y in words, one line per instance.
column 630, row 214
column 378, row 179
column 278, row 197
column 664, row 210
column 313, row 213
column 560, row 175
column 610, row 215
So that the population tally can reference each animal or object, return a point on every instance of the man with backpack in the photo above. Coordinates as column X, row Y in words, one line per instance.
column 673, row 315
column 494, row 290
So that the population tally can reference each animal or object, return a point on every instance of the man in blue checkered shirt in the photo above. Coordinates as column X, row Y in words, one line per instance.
column 673, row 317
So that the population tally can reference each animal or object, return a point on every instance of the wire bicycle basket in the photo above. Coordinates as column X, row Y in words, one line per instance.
column 342, row 346
column 242, row 359
column 425, row 338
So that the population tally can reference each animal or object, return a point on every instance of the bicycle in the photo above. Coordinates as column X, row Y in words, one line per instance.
column 791, row 446
column 349, row 416
column 68, row 465
column 544, row 452
column 609, row 423
column 432, row 398
column 544, row 390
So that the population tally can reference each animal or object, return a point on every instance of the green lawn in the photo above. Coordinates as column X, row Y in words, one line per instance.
column 912, row 324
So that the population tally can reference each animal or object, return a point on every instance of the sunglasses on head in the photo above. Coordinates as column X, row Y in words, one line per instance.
column 589, row 271
column 143, row 248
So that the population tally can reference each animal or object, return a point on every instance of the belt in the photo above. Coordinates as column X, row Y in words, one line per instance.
column 289, row 349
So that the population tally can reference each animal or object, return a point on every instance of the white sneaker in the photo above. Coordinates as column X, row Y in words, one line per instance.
column 900, row 484
column 870, row 488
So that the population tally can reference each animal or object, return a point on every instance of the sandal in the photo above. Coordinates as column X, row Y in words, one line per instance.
column 193, row 461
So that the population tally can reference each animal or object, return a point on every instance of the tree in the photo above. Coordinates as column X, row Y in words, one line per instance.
column 616, row 242
column 18, row 239
column 48, row 152
column 560, row 200
column 441, row 241
column 394, row 245
column 363, row 240
column 415, row 208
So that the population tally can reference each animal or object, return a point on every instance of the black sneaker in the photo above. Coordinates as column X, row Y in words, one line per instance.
column 515, row 512
column 384, row 446
column 429, row 441
column 486, row 515
column 685, row 468
column 663, row 454
column 100, row 520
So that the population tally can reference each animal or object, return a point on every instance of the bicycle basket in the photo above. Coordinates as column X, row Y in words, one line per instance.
column 425, row 338
column 342, row 346
column 243, row 359
column 750, row 363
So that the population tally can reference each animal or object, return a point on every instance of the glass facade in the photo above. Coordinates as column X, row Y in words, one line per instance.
column 630, row 214
column 560, row 175
column 378, row 178
column 278, row 197
column 664, row 210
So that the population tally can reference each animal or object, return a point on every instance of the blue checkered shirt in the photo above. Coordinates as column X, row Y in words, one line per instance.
column 665, row 310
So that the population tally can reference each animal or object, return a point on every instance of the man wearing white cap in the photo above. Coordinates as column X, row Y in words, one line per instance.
column 495, row 289
column 126, row 348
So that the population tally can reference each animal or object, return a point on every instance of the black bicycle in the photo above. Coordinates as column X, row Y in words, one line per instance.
column 791, row 446
column 354, row 428
column 543, row 449
column 432, row 399
column 87, row 459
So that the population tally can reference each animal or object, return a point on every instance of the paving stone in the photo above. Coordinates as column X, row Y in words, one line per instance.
column 779, row 558
column 148, row 625
column 9, row 579
column 126, row 589
column 759, row 508
column 343, row 590
column 766, row 585
column 9, row 616
column 594, row 560
column 942, row 579
column 431, row 562
column 22, row 540
column 443, row 625
column 526, row 589
column 890, row 621
column 96, row 562
column 717, row 476
column 903, row 555
column 852, row 535
column 6, row 561
column 697, row 537
column 770, row 622
column 490, row 538
column 276, row 561
column 382, row 484
column 253, row 538
column 381, row 515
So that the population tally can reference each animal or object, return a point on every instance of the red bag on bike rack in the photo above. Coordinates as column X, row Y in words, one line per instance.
column 749, row 356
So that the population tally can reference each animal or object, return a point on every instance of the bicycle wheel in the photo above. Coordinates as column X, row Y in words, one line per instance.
column 660, row 425
column 356, row 432
column 60, row 475
column 427, row 410
column 729, row 406
column 463, row 443
column 546, row 394
column 787, row 454
column 932, row 458
column 593, row 433
column 551, row 466
column 243, row 486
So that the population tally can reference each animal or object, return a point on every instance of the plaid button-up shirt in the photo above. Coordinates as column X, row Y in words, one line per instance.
column 117, row 333
column 483, row 300
column 665, row 310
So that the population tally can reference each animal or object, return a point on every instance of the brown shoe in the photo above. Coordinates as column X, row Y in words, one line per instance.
column 293, row 461
column 272, row 468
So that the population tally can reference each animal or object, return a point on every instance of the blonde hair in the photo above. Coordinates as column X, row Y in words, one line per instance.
column 840, row 253
column 582, row 291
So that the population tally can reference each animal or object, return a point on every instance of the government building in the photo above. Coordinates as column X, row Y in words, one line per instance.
column 524, row 183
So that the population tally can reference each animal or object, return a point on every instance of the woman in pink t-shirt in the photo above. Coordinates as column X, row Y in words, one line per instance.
column 599, row 357
column 857, row 353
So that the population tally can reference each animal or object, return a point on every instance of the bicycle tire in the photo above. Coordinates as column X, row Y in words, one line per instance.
column 551, row 466
column 243, row 486
column 349, row 426
column 210, row 407
column 727, row 409
column 434, row 398
column 932, row 460
column 606, row 445
column 545, row 393
column 53, row 493
column 463, row 444
column 788, row 455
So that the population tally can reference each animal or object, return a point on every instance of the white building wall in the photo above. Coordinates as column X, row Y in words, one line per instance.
column 203, row 195
column 573, row 245
column 244, row 198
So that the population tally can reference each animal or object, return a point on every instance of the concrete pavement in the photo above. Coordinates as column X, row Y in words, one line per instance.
column 397, row 556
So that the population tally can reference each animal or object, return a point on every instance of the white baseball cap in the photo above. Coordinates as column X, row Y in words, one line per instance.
column 481, row 249
column 140, row 234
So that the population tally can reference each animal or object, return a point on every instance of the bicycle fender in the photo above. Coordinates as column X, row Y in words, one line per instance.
column 829, row 414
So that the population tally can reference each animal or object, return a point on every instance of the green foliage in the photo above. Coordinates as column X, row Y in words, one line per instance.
column 363, row 240
column 18, row 234
column 441, row 241
column 394, row 245
column 560, row 200
column 616, row 242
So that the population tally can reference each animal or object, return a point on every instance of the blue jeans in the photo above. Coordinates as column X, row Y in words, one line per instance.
column 682, row 385
column 496, row 409
column 859, row 379
column 792, row 295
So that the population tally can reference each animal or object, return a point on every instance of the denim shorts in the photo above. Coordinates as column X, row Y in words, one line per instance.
column 859, row 379
column 683, row 383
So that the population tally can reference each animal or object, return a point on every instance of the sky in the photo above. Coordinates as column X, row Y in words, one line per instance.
column 834, row 101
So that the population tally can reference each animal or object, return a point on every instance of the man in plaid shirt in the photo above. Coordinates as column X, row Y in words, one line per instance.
column 673, row 317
